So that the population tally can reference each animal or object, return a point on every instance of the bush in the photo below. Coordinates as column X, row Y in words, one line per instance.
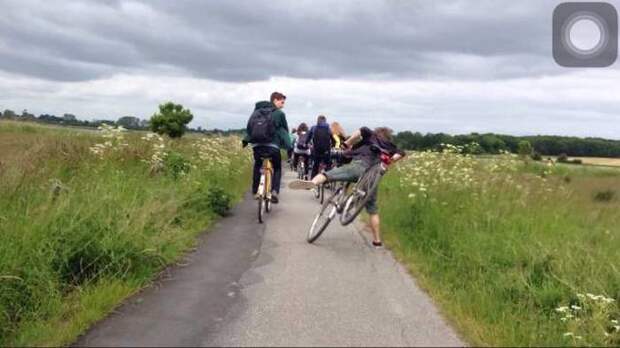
column 172, row 119
column 176, row 165
column 536, row 156
column 562, row 158
column 604, row 196
column 212, row 199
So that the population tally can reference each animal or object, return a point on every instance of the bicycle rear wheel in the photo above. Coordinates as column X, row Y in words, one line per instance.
column 260, row 210
column 267, row 205
column 323, row 218
column 360, row 195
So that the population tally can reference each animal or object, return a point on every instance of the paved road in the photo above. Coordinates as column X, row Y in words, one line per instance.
column 263, row 285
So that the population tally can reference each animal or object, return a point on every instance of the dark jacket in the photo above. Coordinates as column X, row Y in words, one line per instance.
column 281, row 139
column 363, row 150
column 328, row 139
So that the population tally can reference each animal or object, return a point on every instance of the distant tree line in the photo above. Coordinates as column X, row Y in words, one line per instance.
column 490, row 143
column 129, row 122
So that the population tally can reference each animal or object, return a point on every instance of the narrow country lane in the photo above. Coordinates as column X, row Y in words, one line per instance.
column 263, row 285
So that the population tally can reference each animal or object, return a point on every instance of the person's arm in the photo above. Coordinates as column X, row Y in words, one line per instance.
column 398, row 155
column 282, row 127
column 357, row 136
column 310, row 135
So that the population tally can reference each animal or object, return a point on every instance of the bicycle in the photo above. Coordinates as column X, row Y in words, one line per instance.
column 332, row 206
column 264, row 188
column 301, row 168
column 320, row 191
column 349, row 201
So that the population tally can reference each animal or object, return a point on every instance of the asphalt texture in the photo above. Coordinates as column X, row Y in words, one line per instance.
column 251, row 284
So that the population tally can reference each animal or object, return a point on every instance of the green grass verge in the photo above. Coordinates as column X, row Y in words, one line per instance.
column 503, row 246
column 87, row 220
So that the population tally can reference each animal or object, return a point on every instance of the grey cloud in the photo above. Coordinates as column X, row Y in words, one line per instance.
column 254, row 40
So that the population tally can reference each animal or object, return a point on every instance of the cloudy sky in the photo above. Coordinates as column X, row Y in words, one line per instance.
column 429, row 66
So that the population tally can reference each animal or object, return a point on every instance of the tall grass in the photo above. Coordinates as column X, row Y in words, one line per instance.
column 516, row 254
column 86, row 220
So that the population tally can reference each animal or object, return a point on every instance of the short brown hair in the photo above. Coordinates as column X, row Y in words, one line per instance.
column 384, row 133
column 277, row 96
column 303, row 127
column 321, row 118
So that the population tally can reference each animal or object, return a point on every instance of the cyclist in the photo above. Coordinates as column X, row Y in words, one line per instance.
column 361, row 144
column 322, row 142
column 339, row 139
column 338, row 135
column 268, row 132
column 302, row 147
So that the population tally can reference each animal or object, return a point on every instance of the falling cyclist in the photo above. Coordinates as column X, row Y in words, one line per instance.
column 363, row 143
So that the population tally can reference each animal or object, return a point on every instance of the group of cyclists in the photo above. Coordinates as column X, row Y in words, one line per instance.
column 314, row 147
column 267, row 131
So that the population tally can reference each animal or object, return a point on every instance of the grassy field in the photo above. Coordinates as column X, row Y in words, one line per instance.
column 87, row 219
column 516, row 254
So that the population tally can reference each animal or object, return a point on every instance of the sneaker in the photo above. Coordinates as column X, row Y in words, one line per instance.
column 301, row 185
column 377, row 245
column 274, row 198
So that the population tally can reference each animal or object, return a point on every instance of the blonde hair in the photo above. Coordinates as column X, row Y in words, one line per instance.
column 337, row 129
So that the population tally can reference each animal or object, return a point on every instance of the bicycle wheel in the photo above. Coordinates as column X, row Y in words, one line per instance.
column 260, row 210
column 321, row 194
column 360, row 195
column 323, row 218
column 267, row 205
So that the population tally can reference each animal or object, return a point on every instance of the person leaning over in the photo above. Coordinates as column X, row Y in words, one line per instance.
column 362, row 143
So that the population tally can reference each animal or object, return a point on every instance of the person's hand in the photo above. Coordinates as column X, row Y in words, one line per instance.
column 244, row 143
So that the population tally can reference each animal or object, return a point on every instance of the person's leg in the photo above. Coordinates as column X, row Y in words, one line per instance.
column 374, row 226
column 256, row 173
column 373, row 211
column 350, row 172
column 276, row 159
column 306, row 160
column 316, row 161
column 295, row 160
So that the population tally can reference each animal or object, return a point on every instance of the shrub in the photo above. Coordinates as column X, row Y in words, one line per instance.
column 212, row 199
column 219, row 200
column 562, row 158
column 172, row 119
column 536, row 156
column 176, row 165
column 525, row 148
column 604, row 196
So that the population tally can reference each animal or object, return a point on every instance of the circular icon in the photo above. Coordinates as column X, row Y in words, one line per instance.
column 585, row 34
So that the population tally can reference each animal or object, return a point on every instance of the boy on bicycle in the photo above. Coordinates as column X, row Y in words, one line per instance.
column 267, row 131
column 362, row 144
column 322, row 142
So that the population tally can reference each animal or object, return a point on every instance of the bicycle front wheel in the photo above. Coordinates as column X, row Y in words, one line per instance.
column 323, row 218
column 360, row 195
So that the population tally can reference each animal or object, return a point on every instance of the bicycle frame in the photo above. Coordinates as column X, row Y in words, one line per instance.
column 264, row 187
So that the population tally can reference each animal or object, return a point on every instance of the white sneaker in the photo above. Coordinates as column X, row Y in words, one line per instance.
column 301, row 185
